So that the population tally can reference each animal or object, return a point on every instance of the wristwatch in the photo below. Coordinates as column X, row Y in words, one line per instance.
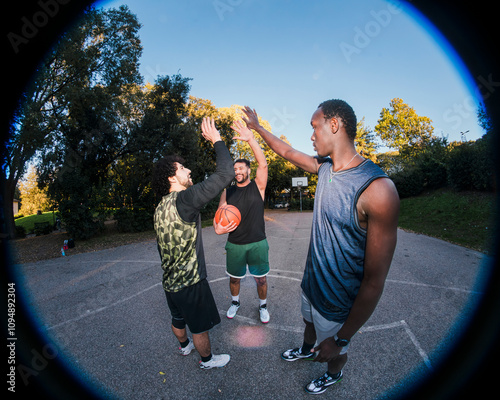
column 340, row 342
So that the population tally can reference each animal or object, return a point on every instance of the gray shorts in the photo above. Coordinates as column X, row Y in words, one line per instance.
column 324, row 328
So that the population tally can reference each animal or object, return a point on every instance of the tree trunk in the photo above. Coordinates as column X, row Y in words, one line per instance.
column 8, row 225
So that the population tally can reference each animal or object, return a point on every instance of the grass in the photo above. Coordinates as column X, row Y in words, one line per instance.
column 463, row 218
column 28, row 222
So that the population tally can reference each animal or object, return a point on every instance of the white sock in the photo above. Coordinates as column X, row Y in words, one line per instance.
column 262, row 302
column 236, row 298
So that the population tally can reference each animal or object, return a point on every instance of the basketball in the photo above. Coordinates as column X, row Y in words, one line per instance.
column 227, row 214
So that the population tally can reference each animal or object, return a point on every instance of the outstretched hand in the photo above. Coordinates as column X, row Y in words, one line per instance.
column 209, row 131
column 242, row 130
column 252, row 119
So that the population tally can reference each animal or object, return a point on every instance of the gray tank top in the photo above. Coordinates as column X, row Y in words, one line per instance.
column 334, row 266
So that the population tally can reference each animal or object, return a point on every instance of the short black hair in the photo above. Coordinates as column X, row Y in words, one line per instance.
column 243, row 160
column 336, row 108
column 164, row 169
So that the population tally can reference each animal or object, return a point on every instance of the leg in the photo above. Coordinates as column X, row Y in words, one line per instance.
column 202, row 344
column 180, row 334
column 336, row 365
column 309, row 334
column 234, row 286
column 262, row 292
column 303, row 352
column 261, row 287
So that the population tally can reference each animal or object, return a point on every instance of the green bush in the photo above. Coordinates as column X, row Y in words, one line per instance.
column 307, row 204
column 43, row 228
column 433, row 171
column 208, row 212
column 470, row 167
column 133, row 220
column 20, row 232
column 79, row 220
column 409, row 182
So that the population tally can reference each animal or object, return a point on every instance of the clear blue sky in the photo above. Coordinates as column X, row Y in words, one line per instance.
column 284, row 57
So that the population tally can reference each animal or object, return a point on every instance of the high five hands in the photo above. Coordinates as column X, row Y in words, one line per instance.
column 243, row 133
column 209, row 131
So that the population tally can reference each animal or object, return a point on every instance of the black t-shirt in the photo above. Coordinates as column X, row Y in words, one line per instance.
column 249, row 201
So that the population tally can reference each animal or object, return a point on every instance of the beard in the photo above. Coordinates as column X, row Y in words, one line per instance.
column 186, row 182
column 241, row 177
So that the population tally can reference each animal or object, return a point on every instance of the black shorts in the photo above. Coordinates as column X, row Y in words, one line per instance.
column 195, row 305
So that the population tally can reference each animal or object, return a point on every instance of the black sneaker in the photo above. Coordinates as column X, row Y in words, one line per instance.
column 296, row 354
column 319, row 385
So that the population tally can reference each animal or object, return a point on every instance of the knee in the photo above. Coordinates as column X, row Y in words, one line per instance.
column 234, row 281
column 178, row 323
column 261, row 281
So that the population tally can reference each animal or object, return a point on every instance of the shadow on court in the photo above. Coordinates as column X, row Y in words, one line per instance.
column 106, row 314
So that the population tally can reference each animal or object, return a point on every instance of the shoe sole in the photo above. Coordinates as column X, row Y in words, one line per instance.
column 215, row 366
column 325, row 387
column 295, row 359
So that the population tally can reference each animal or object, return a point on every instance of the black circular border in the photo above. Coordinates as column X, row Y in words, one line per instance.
column 470, row 28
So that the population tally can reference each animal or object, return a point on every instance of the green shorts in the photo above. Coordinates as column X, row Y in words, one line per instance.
column 256, row 255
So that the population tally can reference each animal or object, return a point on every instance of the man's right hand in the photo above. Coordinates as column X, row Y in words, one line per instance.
column 221, row 229
column 252, row 119
column 209, row 131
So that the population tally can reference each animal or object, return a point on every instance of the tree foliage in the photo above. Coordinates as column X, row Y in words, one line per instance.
column 401, row 128
column 33, row 198
column 365, row 141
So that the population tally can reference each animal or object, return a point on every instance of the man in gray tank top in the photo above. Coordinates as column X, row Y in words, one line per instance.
column 353, row 237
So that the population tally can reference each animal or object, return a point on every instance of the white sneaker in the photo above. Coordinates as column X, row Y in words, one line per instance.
column 216, row 361
column 188, row 349
column 235, row 305
column 264, row 314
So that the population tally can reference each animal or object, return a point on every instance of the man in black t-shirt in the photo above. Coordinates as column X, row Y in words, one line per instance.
column 247, row 244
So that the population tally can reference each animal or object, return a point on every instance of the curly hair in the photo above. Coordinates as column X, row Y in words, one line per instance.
column 164, row 169
column 340, row 109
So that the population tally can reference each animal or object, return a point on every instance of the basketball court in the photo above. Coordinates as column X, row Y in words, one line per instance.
column 105, row 314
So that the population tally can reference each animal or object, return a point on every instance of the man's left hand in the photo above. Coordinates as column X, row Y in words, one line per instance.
column 327, row 350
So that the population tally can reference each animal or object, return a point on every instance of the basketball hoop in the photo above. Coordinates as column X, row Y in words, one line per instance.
column 299, row 182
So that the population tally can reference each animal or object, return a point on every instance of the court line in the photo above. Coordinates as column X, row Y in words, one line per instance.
column 285, row 328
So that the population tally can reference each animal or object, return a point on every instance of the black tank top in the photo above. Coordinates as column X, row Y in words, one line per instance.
column 249, row 201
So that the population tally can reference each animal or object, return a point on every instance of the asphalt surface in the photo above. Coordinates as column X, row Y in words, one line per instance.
column 105, row 315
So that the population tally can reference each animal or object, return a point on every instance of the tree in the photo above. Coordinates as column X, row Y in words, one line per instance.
column 33, row 198
column 365, row 141
column 90, row 114
column 401, row 128
column 69, row 110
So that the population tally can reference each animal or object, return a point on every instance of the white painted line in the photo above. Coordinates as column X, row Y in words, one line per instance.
column 421, row 351
column 433, row 286
column 98, row 310
column 408, row 331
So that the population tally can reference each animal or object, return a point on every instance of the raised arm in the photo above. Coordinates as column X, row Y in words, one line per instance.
column 195, row 197
column 306, row 162
column 246, row 135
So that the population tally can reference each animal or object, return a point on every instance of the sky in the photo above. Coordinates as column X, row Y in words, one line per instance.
column 284, row 57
